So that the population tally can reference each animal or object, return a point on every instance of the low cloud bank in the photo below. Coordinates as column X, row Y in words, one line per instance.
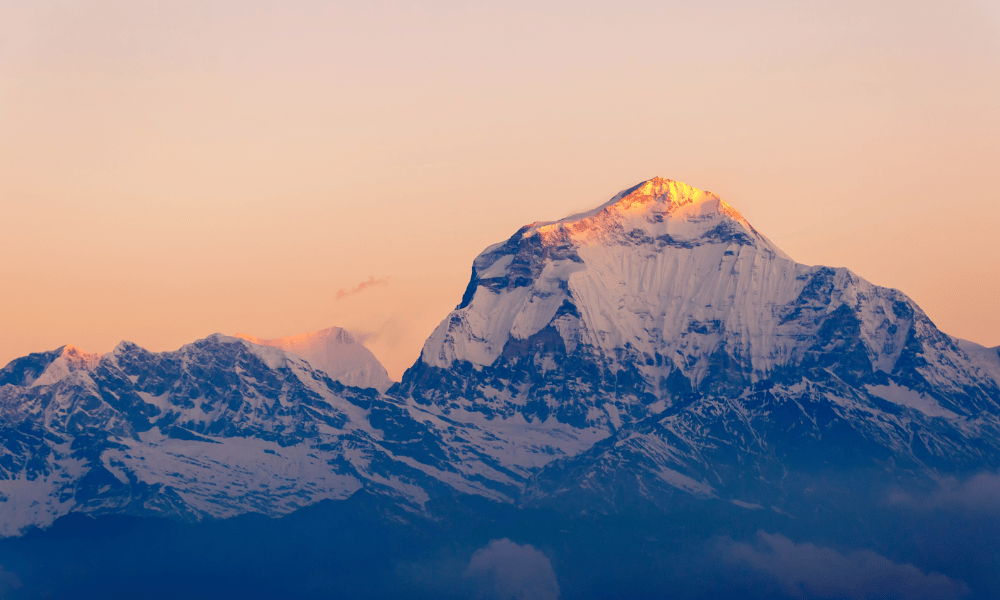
column 504, row 570
column 978, row 494
column 815, row 572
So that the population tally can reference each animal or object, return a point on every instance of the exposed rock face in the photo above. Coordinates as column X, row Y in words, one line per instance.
column 656, row 347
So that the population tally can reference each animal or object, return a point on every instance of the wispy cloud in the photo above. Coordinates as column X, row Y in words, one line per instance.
column 343, row 293
column 809, row 571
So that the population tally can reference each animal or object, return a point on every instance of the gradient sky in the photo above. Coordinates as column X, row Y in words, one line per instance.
column 173, row 169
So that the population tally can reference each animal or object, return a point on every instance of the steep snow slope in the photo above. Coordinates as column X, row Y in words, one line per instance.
column 335, row 351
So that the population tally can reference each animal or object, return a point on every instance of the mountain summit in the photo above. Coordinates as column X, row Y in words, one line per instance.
column 669, row 210
column 647, row 250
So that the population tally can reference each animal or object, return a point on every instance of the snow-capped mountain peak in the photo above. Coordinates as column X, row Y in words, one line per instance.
column 648, row 249
column 664, row 290
column 665, row 321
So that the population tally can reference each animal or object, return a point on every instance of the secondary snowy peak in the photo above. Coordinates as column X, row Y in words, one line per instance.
column 47, row 368
column 70, row 360
column 335, row 351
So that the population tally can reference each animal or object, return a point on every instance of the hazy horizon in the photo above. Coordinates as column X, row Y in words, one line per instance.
column 170, row 172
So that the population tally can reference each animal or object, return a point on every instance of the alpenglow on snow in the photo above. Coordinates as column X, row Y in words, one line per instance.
column 657, row 348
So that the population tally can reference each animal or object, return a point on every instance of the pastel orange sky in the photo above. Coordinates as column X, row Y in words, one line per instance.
column 173, row 169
